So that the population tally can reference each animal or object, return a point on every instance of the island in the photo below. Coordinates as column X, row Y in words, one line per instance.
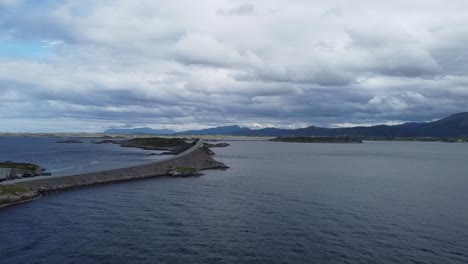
column 344, row 139
column 172, row 146
column 70, row 141
column 191, row 159
column 420, row 139
column 217, row 145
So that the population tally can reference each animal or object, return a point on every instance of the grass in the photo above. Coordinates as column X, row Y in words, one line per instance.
column 12, row 189
column 157, row 142
column 18, row 165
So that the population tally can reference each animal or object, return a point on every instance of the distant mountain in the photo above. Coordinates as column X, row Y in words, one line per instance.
column 224, row 130
column 142, row 130
column 453, row 126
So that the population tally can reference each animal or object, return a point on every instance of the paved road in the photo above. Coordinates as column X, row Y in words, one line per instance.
column 188, row 151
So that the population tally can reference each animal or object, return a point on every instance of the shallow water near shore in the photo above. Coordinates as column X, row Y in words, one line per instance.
column 377, row 202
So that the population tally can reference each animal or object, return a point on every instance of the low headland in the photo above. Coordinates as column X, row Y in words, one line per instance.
column 172, row 146
column 318, row 139
column 190, row 162
column 10, row 170
column 361, row 139
column 420, row 139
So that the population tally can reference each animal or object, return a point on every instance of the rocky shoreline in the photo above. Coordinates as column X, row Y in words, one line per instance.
column 197, row 160
column 8, row 200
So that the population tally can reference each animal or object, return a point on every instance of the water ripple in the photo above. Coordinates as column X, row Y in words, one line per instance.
column 260, row 211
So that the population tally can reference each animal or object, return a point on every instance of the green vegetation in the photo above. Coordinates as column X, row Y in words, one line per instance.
column 21, row 166
column 12, row 189
column 155, row 142
column 318, row 139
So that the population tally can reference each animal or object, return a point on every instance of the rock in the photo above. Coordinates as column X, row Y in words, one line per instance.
column 167, row 153
column 183, row 172
column 207, row 150
column 221, row 145
column 13, row 194
column 217, row 145
column 212, row 164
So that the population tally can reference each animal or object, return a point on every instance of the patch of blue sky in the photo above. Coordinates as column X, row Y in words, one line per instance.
column 24, row 50
column 77, row 8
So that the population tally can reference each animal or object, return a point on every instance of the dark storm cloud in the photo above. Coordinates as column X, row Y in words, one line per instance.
column 321, row 77
column 393, row 55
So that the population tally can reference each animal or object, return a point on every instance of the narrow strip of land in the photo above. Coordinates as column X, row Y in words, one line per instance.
column 195, row 157
column 197, row 145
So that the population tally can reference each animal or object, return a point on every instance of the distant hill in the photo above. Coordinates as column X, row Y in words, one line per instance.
column 453, row 126
column 142, row 130
column 224, row 130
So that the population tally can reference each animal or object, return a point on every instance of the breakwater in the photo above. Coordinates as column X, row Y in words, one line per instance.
column 194, row 158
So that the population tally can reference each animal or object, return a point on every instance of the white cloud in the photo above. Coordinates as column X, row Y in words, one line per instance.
column 51, row 43
column 262, row 63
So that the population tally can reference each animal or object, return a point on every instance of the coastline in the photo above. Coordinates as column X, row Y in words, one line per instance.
column 20, row 201
column 194, row 157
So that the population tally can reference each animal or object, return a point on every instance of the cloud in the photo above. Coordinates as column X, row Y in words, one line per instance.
column 196, row 48
column 51, row 43
column 182, row 64
column 242, row 10
column 332, row 13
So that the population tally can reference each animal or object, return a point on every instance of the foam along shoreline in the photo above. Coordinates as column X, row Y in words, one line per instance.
column 194, row 157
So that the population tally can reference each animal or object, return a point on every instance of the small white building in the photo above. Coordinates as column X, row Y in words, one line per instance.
column 5, row 173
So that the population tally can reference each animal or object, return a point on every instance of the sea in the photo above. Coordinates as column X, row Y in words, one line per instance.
column 376, row 202
column 73, row 158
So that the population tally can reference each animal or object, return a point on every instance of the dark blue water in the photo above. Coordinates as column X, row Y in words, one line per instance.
column 68, row 158
column 378, row 202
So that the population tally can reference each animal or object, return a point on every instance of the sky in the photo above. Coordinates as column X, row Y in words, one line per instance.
column 87, row 65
